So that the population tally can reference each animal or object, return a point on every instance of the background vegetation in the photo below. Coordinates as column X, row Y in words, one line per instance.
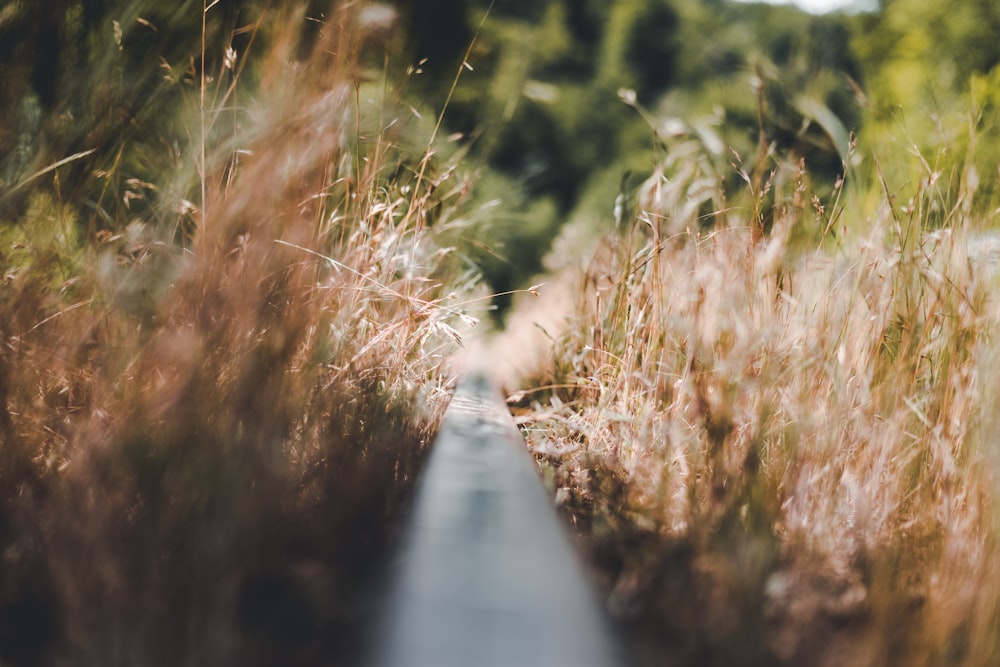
column 238, row 241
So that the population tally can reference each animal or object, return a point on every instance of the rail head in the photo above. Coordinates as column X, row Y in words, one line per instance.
column 488, row 576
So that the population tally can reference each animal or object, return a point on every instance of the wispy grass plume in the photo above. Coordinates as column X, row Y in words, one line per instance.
column 212, row 416
column 776, row 453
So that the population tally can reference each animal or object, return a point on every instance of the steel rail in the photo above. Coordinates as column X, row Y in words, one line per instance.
column 488, row 576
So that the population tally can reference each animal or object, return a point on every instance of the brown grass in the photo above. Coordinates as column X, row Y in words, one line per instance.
column 206, row 446
column 777, row 453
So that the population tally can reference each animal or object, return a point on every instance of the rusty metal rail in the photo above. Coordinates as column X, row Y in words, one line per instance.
column 488, row 577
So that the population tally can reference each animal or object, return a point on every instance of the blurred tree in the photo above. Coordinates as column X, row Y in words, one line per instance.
column 929, row 68
column 541, row 106
column 914, row 41
column 438, row 31
column 652, row 50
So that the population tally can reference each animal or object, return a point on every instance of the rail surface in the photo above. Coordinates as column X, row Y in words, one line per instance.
column 488, row 577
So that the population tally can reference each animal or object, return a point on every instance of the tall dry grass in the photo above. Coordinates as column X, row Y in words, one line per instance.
column 778, row 453
column 211, row 417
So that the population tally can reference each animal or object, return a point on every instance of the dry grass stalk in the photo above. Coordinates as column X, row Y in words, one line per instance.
column 206, row 448
column 777, row 456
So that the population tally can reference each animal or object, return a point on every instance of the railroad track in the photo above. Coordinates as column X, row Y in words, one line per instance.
column 487, row 576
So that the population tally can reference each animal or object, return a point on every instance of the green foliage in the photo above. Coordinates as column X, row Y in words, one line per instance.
column 542, row 104
column 930, row 68
column 47, row 236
